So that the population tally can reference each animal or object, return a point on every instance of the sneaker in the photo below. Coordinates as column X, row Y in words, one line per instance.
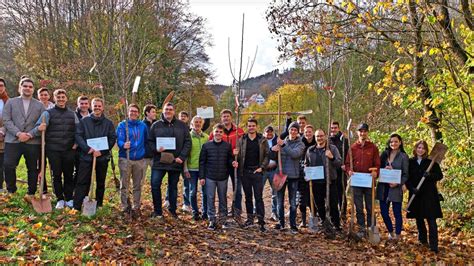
column 157, row 216
column 60, row 205
column 391, row 236
column 361, row 234
column 262, row 228
column 196, row 217
column 274, row 217
column 186, row 208
column 279, row 227
column 225, row 225
column 397, row 237
column 166, row 204
column 294, row 230
column 248, row 223
column 212, row 226
column 70, row 204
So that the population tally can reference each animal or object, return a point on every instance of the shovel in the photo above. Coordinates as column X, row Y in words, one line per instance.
column 89, row 205
column 313, row 219
column 279, row 179
column 374, row 234
column 43, row 203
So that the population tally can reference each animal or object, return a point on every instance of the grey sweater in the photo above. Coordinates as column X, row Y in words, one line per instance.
column 291, row 154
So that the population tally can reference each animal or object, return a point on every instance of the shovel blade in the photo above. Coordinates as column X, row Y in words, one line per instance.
column 374, row 236
column 42, row 204
column 89, row 207
column 313, row 224
column 278, row 181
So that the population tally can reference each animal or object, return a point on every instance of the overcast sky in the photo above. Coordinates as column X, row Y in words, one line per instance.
column 224, row 20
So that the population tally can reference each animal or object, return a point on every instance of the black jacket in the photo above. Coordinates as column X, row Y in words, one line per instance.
column 426, row 203
column 340, row 141
column 94, row 127
column 148, row 152
column 215, row 160
column 60, row 135
column 78, row 113
column 263, row 149
column 173, row 128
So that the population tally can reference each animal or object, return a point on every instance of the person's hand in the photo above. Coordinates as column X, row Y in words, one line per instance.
column 374, row 174
column 329, row 154
column 2, row 137
column 42, row 127
column 236, row 152
column 161, row 149
column 389, row 167
column 97, row 154
column 178, row 160
column 90, row 151
column 392, row 185
column 23, row 137
column 404, row 188
column 280, row 142
column 74, row 147
column 350, row 173
column 235, row 164
column 202, row 182
column 187, row 174
column 258, row 170
column 276, row 148
column 288, row 114
column 126, row 145
column 343, row 167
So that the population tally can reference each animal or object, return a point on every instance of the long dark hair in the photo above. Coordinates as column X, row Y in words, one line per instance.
column 388, row 149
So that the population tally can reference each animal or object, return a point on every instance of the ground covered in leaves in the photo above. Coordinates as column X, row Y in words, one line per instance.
column 67, row 237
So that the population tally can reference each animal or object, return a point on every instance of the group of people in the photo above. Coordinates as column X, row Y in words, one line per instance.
column 174, row 147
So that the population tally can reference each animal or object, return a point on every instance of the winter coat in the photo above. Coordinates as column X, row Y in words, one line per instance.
column 315, row 155
column 148, row 153
column 198, row 140
column 215, row 160
column 291, row 153
column 386, row 193
column 340, row 141
column 426, row 203
column 138, row 136
column 95, row 127
column 78, row 113
column 176, row 129
column 263, row 152
column 230, row 135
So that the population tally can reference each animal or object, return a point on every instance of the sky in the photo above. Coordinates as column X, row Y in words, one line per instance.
column 223, row 21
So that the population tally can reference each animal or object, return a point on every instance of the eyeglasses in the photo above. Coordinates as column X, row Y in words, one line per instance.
column 26, row 86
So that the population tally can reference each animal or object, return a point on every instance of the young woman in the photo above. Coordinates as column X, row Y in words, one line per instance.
column 426, row 204
column 394, row 157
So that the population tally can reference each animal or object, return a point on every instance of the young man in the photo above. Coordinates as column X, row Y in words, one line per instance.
column 94, row 126
column 252, row 150
column 365, row 155
column 60, row 126
column 291, row 149
column 308, row 140
column 231, row 131
column 83, row 107
column 317, row 155
column 3, row 101
column 135, row 166
column 43, row 97
column 149, row 113
column 215, row 163
column 338, row 139
column 270, row 170
column 19, row 117
column 168, row 161
column 184, row 117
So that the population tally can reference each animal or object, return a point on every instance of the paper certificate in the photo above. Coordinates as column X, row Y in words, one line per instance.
column 205, row 112
column 314, row 172
column 98, row 144
column 361, row 180
column 390, row 176
column 166, row 143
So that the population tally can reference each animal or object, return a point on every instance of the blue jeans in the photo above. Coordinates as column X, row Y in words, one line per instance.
column 269, row 175
column 292, row 185
column 186, row 191
column 397, row 212
column 193, row 182
column 156, row 180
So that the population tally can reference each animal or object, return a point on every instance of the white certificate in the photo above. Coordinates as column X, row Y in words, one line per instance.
column 98, row 144
column 205, row 112
column 166, row 143
column 390, row 176
column 314, row 172
column 361, row 180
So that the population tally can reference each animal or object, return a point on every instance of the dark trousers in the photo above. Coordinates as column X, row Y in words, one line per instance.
column 2, row 176
column 397, row 212
column 77, row 157
column 292, row 185
column 341, row 193
column 157, row 176
column 62, row 164
column 303, row 189
column 319, row 190
column 13, row 153
column 253, row 187
column 433, row 230
column 84, row 177
column 237, row 202
column 363, row 195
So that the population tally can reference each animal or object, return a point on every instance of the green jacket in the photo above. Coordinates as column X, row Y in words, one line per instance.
column 197, row 142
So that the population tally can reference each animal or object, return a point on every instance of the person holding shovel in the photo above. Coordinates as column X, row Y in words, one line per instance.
column 338, row 139
column 317, row 155
column 135, row 166
column 272, row 137
column 309, row 140
column 60, row 126
column 365, row 156
column 426, row 203
column 93, row 130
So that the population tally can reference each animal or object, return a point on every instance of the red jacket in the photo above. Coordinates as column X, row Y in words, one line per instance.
column 230, row 136
column 363, row 157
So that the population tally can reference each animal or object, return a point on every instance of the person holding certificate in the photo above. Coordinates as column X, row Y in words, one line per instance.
column 393, row 176
column 95, row 135
column 317, row 156
column 170, row 140
column 308, row 140
column 365, row 155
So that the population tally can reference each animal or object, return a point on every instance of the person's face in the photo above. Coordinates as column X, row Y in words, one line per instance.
column 83, row 105
column 302, row 123
column 420, row 150
column 60, row 100
column 97, row 108
column 395, row 143
column 26, row 89
column 363, row 134
column 151, row 114
column 251, row 127
column 133, row 113
column 43, row 96
column 226, row 118
column 320, row 137
column 197, row 124
column 334, row 129
column 308, row 133
column 184, row 118
column 269, row 134
column 218, row 134
column 2, row 87
column 293, row 133
column 169, row 112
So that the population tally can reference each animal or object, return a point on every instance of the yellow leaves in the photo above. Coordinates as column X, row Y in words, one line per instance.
column 433, row 51
column 404, row 18
column 37, row 225
column 396, row 44
column 350, row 7
column 119, row 241
column 320, row 49
column 369, row 69
column 400, row 50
